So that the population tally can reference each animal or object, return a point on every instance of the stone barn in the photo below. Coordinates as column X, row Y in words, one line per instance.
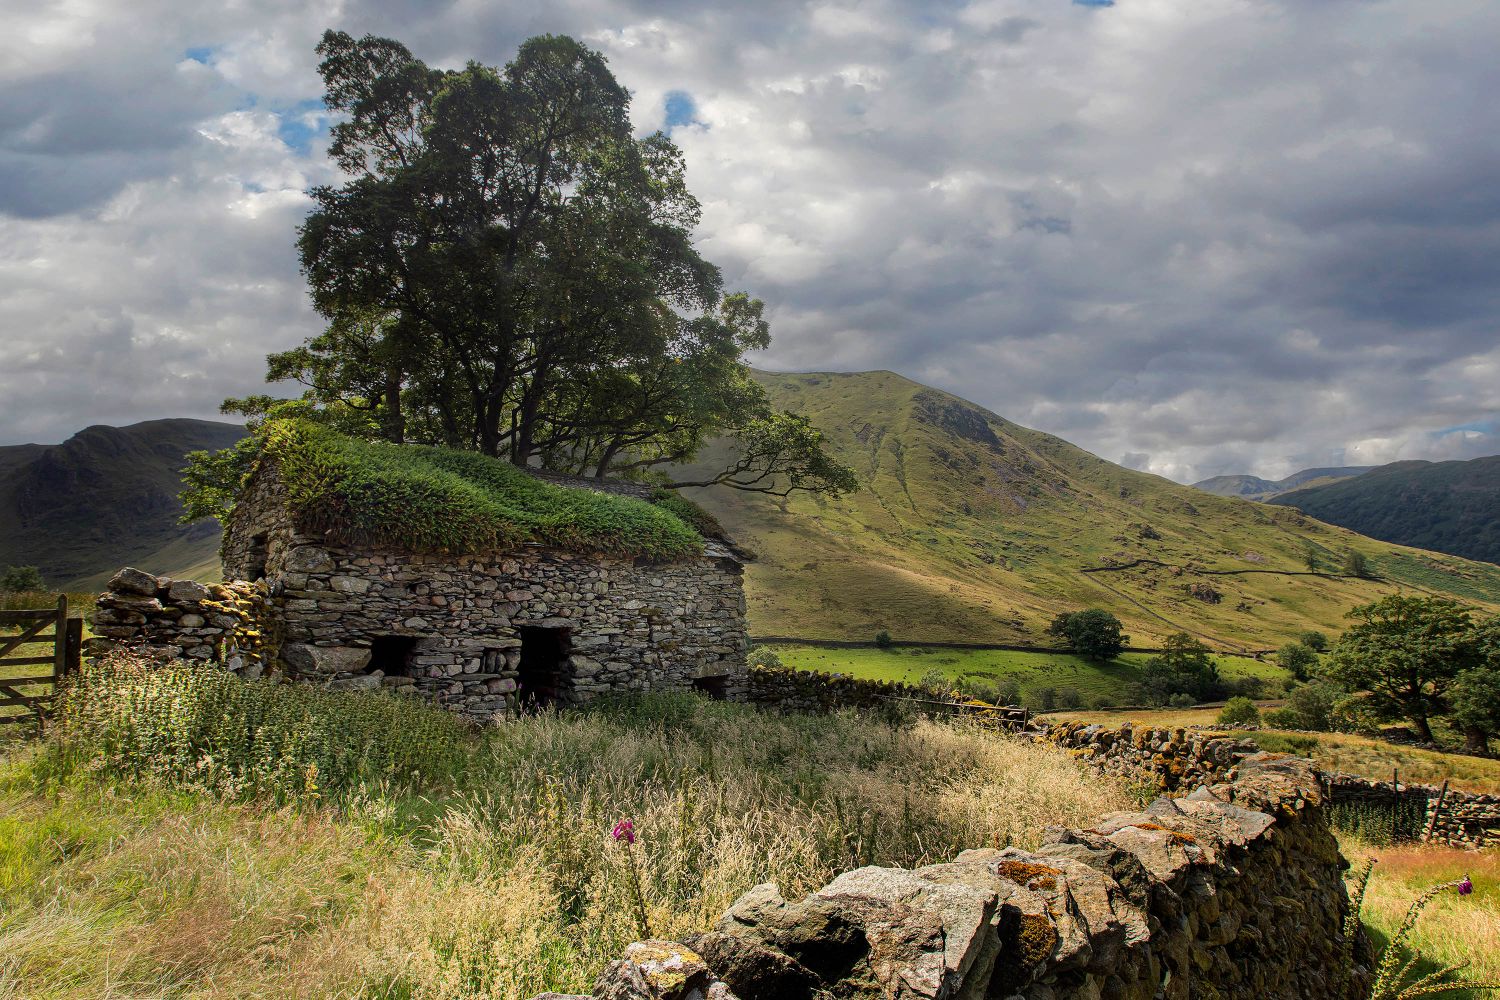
column 356, row 599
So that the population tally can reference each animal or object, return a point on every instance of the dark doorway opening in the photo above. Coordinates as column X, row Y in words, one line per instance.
column 544, row 678
column 256, row 560
column 391, row 654
column 716, row 688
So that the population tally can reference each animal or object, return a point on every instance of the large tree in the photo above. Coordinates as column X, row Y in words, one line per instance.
column 1474, row 698
column 1405, row 652
column 508, row 268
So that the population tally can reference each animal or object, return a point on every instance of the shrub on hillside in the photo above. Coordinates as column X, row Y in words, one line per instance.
column 1094, row 633
column 762, row 656
column 1315, row 641
column 1182, row 674
column 18, row 579
column 1308, row 706
column 1239, row 712
column 196, row 724
column 1069, row 698
column 1298, row 659
column 1008, row 691
column 883, row 639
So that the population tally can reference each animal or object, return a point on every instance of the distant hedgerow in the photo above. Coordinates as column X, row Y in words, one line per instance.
column 422, row 498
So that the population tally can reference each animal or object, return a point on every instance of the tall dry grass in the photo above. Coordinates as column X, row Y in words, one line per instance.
column 1452, row 928
column 167, row 841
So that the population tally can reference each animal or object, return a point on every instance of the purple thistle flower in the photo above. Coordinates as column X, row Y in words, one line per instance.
column 624, row 830
column 1465, row 886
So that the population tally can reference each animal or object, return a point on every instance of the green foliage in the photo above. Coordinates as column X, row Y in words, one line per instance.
column 764, row 656
column 1474, row 701
column 1182, row 674
column 509, row 269
column 883, row 639
column 1405, row 651
column 1240, row 713
column 1315, row 641
column 15, row 579
column 688, row 513
column 438, row 499
column 1443, row 506
column 1356, row 564
column 198, row 725
column 1298, row 659
column 1308, row 706
column 1094, row 633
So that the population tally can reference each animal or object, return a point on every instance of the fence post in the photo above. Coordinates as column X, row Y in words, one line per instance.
column 1437, row 808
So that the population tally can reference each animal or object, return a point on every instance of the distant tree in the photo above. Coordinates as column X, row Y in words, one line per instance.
column 1355, row 564
column 1315, row 641
column 1310, row 558
column 16, row 579
column 1406, row 652
column 1298, row 658
column 1308, row 706
column 1239, row 712
column 1093, row 633
column 883, row 639
column 1474, row 699
column 1183, row 668
column 1008, row 692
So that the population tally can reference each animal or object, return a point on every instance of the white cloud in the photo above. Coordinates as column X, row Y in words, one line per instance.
column 1233, row 235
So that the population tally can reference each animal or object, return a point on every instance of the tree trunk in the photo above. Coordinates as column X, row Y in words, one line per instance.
column 393, row 420
column 1476, row 740
column 1424, row 731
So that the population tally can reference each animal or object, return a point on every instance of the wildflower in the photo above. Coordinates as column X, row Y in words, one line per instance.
column 624, row 833
column 624, row 830
column 1465, row 886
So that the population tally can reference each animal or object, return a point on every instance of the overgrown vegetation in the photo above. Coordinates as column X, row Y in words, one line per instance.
column 430, row 861
column 1093, row 632
column 426, row 499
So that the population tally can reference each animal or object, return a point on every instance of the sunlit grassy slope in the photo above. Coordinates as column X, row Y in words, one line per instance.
column 973, row 528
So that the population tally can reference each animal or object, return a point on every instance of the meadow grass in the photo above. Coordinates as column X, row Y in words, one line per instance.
column 158, row 845
column 1031, row 670
column 1453, row 928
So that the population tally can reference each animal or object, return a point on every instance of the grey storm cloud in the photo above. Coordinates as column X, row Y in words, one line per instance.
column 1225, row 236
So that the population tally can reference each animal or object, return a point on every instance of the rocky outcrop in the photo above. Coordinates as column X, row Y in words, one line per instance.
column 1233, row 891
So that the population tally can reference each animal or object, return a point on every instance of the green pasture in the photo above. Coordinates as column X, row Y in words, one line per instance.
column 1031, row 670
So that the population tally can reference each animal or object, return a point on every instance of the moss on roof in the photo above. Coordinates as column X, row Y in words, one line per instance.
column 424, row 499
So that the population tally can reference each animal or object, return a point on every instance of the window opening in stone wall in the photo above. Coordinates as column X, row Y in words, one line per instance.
column 543, row 669
column 391, row 654
column 716, row 688
column 259, row 548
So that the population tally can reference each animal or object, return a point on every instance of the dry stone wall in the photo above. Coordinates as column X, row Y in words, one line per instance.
column 172, row 619
column 1233, row 891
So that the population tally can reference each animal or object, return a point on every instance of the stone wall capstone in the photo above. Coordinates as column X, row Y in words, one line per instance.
column 1234, row 891
column 171, row 619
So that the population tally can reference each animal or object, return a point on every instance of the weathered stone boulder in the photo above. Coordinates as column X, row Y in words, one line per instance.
column 134, row 581
column 307, row 659
column 186, row 592
column 660, row 970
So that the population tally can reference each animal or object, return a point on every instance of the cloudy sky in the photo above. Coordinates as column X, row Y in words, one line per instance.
column 1192, row 236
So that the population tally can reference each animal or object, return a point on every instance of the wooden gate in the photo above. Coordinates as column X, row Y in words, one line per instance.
column 38, row 648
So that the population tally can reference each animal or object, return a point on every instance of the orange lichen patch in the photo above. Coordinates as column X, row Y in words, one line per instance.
column 1037, row 939
column 1033, row 876
column 1172, row 835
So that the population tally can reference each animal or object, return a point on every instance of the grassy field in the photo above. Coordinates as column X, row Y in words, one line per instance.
column 1092, row 680
column 972, row 528
column 1452, row 928
column 242, row 839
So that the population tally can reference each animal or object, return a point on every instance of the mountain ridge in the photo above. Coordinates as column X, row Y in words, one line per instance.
column 105, row 497
column 1451, row 506
column 1255, row 488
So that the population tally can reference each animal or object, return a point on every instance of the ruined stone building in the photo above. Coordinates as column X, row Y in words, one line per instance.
column 486, row 632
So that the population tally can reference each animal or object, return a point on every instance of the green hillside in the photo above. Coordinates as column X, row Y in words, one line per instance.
column 104, row 498
column 1449, row 507
column 973, row 528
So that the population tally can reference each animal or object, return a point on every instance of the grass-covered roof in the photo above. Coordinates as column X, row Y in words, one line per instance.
column 425, row 499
